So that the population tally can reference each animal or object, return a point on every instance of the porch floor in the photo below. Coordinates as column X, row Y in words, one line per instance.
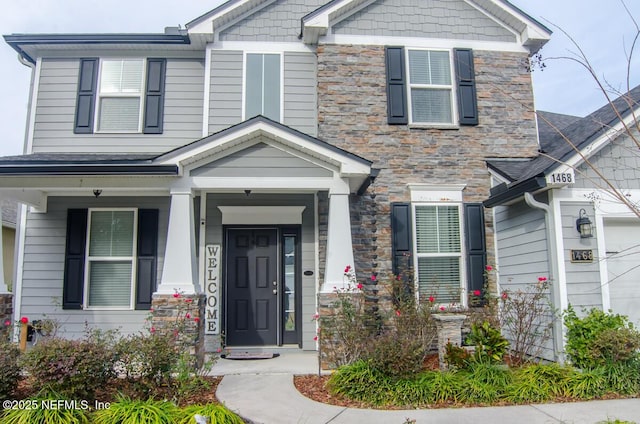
column 289, row 362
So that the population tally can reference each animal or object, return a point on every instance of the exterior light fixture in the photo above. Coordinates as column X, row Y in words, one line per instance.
column 97, row 193
column 583, row 225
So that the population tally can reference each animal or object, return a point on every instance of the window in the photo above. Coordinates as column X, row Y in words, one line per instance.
column 120, row 95
column 439, row 252
column 125, row 95
column 430, row 87
column 262, row 86
column 110, row 258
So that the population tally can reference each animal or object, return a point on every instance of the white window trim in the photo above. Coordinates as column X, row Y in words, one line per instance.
column 140, row 95
column 461, row 255
column 452, row 87
column 244, row 81
column 133, row 258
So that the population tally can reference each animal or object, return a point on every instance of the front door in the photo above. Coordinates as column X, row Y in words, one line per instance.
column 252, row 287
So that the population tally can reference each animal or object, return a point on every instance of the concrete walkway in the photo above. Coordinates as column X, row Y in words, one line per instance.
column 262, row 391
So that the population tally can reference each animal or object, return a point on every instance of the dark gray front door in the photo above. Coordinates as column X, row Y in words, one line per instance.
column 252, row 295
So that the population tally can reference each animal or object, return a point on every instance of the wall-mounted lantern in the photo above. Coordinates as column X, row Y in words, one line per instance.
column 583, row 225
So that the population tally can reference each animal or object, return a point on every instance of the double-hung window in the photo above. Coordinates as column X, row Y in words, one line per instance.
column 111, row 252
column 439, row 251
column 431, row 87
column 120, row 95
column 262, row 92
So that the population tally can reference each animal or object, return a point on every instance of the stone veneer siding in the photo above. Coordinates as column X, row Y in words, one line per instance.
column 352, row 114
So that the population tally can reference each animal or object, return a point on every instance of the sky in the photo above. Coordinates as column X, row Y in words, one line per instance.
column 601, row 28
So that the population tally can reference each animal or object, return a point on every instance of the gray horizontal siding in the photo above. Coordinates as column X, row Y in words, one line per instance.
column 615, row 162
column 225, row 100
column 214, row 235
column 56, row 102
column 261, row 160
column 424, row 18
column 278, row 21
column 43, row 269
column 583, row 279
column 300, row 92
column 521, row 242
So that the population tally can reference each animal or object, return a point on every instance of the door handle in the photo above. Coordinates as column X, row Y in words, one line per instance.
column 275, row 291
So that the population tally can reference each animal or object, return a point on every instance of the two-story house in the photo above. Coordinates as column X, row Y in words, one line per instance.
column 255, row 154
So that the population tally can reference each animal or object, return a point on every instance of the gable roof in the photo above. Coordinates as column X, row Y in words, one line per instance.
column 583, row 133
column 532, row 33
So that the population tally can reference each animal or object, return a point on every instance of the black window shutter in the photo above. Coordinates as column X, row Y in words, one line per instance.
column 396, row 86
column 147, row 257
column 74, row 259
column 476, row 245
column 466, row 81
column 86, row 101
column 401, row 239
column 154, row 96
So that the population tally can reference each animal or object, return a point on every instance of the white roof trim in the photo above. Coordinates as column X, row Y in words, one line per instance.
column 285, row 140
column 228, row 12
column 531, row 34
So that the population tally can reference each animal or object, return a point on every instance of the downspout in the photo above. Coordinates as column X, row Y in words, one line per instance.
column 18, row 263
column 553, row 271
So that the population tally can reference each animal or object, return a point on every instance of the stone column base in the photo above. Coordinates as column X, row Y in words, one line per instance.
column 184, row 316
column 6, row 313
column 449, row 329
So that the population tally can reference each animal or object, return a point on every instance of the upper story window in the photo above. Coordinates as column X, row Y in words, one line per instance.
column 430, row 87
column 120, row 95
column 262, row 90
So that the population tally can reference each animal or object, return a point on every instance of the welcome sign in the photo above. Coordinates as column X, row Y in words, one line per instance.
column 212, row 288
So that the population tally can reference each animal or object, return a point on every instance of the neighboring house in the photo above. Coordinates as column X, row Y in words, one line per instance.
column 9, row 213
column 258, row 152
column 537, row 205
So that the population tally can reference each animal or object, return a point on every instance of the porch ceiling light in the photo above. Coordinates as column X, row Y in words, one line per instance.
column 583, row 225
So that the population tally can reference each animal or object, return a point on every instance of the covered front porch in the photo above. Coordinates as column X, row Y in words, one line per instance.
column 256, row 217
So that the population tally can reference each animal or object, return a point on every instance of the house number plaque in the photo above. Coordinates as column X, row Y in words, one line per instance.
column 212, row 288
column 582, row 255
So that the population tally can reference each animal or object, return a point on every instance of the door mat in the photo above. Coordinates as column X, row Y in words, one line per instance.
column 249, row 355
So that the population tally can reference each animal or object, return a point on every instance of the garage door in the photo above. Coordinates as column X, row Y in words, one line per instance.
column 622, row 241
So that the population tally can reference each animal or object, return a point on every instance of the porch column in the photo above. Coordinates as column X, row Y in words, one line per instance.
column 339, row 244
column 179, row 272
column 3, row 284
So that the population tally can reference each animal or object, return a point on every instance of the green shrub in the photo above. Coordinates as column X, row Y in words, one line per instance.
column 456, row 356
column 72, row 368
column 447, row 386
column 588, row 384
column 538, row 383
column 217, row 414
column 9, row 368
column 37, row 413
column 600, row 338
column 623, row 377
column 128, row 411
column 361, row 382
column 490, row 345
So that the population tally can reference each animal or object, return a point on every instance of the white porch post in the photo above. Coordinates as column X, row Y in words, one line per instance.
column 179, row 271
column 339, row 244
column 3, row 284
